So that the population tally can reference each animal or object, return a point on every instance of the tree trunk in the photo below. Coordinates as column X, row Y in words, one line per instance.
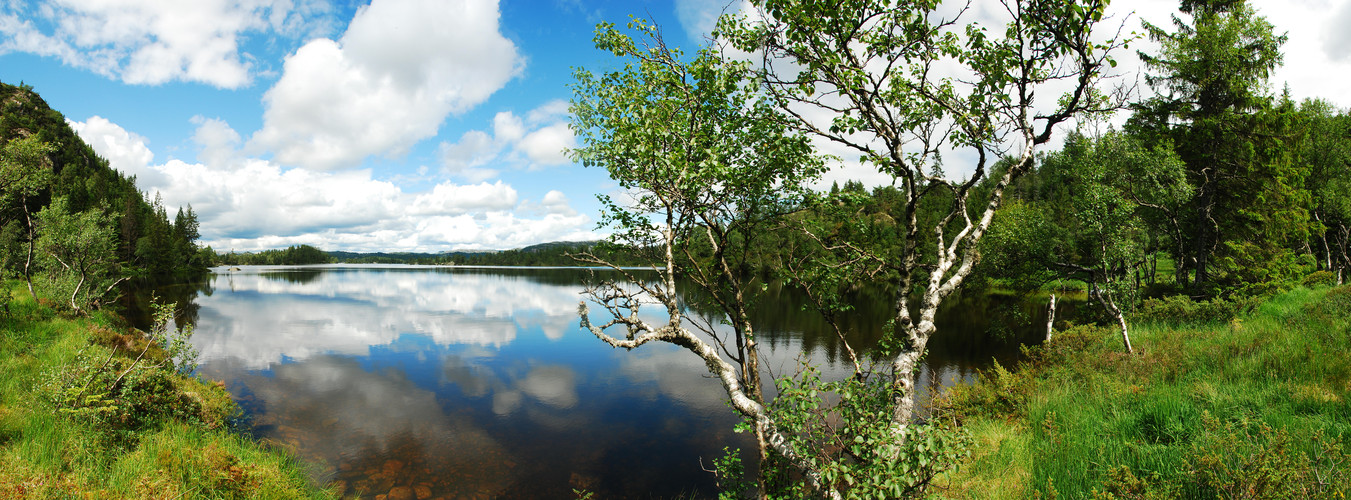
column 1205, row 233
column 1050, row 318
column 903, row 371
column 752, row 376
column 32, row 237
column 1326, row 262
column 725, row 373
column 1105, row 298
column 75, row 307
column 1125, row 334
column 1201, row 256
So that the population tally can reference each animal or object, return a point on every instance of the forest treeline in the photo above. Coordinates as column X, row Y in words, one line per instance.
column 74, row 228
column 555, row 254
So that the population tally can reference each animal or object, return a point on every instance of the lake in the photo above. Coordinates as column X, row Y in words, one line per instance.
column 479, row 383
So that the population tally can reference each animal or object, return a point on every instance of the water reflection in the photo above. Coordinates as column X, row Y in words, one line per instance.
column 264, row 318
column 478, row 382
column 381, row 429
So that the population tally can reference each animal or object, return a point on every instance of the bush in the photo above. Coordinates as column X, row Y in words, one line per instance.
column 115, row 397
column 1180, row 310
column 1253, row 460
column 1319, row 278
column 999, row 392
column 119, row 395
column 855, row 446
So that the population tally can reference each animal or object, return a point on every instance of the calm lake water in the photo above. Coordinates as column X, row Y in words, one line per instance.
column 479, row 383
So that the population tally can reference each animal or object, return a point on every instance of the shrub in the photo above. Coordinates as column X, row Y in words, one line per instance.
column 119, row 395
column 115, row 397
column 999, row 392
column 1319, row 278
column 1179, row 309
column 855, row 446
column 1246, row 459
column 1122, row 483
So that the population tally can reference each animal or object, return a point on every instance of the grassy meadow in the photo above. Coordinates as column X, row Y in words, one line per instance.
column 1247, row 399
column 80, row 418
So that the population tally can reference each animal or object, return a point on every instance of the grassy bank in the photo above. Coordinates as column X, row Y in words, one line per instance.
column 1223, row 401
column 80, row 418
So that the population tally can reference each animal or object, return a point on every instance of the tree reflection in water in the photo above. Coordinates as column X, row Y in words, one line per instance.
column 478, row 382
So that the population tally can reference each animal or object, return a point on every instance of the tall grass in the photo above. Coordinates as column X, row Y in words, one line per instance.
column 1256, row 405
column 54, row 444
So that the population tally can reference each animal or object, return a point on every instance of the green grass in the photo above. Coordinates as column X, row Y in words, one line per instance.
column 159, row 435
column 1256, row 405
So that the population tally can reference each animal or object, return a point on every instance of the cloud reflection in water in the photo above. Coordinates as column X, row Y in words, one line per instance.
column 461, row 383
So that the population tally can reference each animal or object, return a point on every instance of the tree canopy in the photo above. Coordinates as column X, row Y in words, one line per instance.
column 46, row 168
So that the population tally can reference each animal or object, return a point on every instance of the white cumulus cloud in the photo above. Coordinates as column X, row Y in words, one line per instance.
column 401, row 68
column 539, row 140
column 246, row 203
column 126, row 151
column 548, row 145
column 151, row 42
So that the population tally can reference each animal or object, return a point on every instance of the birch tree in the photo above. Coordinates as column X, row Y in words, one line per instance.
column 1106, row 187
column 24, row 174
column 909, row 84
column 707, row 169
column 80, row 253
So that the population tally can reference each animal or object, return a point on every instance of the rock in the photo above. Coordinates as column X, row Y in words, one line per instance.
column 401, row 493
column 422, row 492
column 393, row 467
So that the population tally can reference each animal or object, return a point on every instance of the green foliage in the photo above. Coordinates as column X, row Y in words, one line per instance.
column 70, row 429
column 553, row 254
column 78, row 254
column 121, row 395
column 118, row 399
column 293, row 255
column 45, row 160
column 1101, row 214
column 1326, row 147
column 1319, row 278
column 692, row 141
column 1249, row 407
column 1000, row 392
column 710, row 168
column 1247, row 459
column 853, row 442
column 1122, row 483
column 179, row 354
column 1251, row 208
column 1180, row 310
column 731, row 475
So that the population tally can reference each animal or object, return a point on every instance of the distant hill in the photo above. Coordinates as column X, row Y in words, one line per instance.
column 544, row 254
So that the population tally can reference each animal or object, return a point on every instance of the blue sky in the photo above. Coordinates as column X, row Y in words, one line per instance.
column 397, row 125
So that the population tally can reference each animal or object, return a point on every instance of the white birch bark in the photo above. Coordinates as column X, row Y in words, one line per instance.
column 1050, row 319
column 639, row 333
